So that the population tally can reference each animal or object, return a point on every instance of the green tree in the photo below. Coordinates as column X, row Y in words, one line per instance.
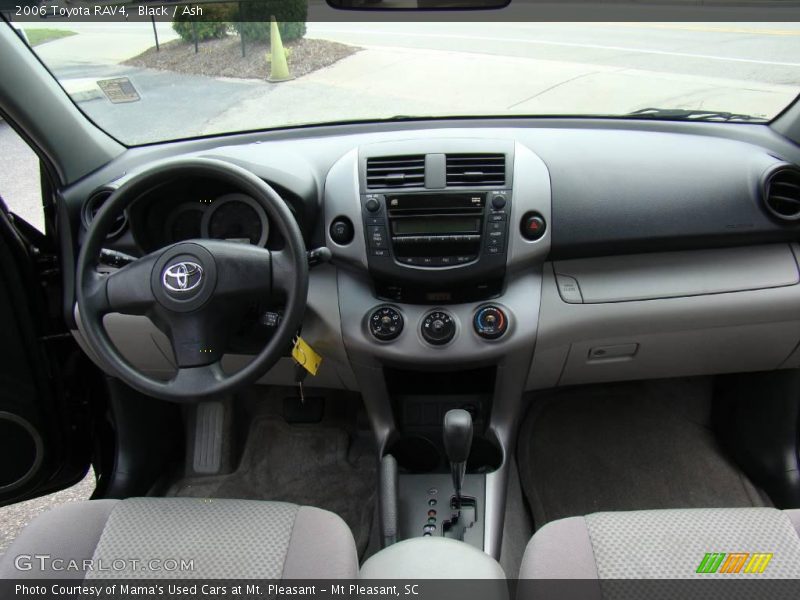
column 252, row 18
column 215, row 24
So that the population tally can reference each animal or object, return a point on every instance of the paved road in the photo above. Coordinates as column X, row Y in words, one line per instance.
column 172, row 105
column 765, row 52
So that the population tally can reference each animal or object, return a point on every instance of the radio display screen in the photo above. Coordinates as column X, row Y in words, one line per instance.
column 434, row 226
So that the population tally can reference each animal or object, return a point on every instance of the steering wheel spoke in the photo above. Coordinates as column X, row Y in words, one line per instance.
column 198, row 338
column 129, row 290
column 194, row 382
column 283, row 271
column 243, row 270
column 96, row 292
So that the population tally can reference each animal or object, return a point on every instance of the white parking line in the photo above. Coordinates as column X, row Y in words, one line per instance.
column 507, row 40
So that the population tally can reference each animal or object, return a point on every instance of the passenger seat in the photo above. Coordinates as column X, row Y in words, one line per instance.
column 667, row 544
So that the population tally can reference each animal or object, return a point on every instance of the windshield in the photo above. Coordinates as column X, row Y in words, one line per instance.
column 147, row 81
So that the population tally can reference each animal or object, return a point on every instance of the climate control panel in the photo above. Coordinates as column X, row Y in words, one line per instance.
column 438, row 327
column 490, row 322
column 385, row 323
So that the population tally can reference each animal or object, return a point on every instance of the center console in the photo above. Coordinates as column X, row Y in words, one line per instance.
column 439, row 245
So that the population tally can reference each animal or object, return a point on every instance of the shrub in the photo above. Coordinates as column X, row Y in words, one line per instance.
column 253, row 20
column 215, row 25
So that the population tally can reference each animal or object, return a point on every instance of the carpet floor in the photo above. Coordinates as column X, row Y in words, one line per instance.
column 629, row 446
column 313, row 465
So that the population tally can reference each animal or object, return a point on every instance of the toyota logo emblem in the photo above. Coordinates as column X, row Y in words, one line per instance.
column 182, row 277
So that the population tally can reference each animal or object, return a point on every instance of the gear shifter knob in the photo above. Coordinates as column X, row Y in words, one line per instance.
column 457, row 442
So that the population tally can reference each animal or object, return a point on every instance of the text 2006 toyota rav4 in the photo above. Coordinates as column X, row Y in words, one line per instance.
column 430, row 302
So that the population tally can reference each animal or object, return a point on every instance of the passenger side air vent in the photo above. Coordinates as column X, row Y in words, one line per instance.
column 93, row 205
column 467, row 170
column 782, row 193
column 396, row 171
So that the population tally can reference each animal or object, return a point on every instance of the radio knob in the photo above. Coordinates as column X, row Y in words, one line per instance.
column 490, row 322
column 438, row 327
column 385, row 323
column 372, row 205
column 498, row 202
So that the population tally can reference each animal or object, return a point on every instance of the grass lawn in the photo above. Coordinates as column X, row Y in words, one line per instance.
column 42, row 36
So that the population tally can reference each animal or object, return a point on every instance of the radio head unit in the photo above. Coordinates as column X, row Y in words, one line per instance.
column 437, row 237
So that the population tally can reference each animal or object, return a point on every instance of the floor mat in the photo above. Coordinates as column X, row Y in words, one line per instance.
column 308, row 465
column 631, row 446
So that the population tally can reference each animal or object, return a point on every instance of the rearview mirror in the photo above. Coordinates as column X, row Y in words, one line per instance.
column 418, row 4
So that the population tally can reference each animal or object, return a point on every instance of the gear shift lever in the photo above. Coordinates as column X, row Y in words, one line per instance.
column 457, row 441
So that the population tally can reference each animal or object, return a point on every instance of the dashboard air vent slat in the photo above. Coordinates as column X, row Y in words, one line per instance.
column 396, row 171
column 466, row 170
column 782, row 193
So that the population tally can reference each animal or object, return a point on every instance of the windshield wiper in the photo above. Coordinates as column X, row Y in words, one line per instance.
column 691, row 115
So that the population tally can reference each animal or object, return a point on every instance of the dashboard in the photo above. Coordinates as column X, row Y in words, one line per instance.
column 562, row 252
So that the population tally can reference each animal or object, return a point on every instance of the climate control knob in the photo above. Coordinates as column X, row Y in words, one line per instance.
column 438, row 327
column 490, row 322
column 385, row 323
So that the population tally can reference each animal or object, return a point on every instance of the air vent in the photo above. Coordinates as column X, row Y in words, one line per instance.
column 782, row 193
column 93, row 205
column 396, row 171
column 466, row 170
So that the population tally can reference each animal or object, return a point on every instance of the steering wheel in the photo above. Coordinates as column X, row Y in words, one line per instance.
column 194, row 290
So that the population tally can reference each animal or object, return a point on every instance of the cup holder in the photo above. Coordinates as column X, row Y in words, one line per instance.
column 418, row 454
column 484, row 457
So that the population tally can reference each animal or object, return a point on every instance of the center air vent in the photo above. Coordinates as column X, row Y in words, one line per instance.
column 467, row 170
column 396, row 171
column 782, row 193
column 93, row 206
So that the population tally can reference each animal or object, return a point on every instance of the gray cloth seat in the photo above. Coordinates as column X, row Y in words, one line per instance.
column 183, row 538
column 664, row 544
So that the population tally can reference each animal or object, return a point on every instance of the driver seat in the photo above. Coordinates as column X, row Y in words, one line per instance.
column 223, row 539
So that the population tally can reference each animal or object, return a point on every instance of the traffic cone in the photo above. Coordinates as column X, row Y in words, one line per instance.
column 279, row 70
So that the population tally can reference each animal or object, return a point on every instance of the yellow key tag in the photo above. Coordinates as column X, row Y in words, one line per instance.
column 305, row 356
